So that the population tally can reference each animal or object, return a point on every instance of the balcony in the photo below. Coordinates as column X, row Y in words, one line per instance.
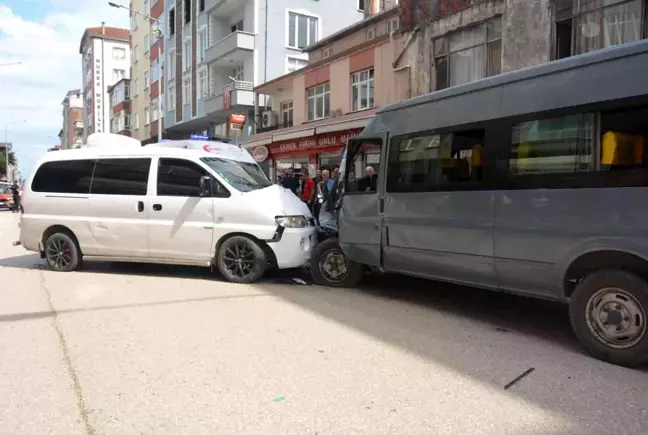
column 224, row 8
column 240, row 94
column 232, row 50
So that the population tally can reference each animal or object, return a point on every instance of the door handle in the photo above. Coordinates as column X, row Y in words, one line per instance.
column 140, row 206
column 157, row 207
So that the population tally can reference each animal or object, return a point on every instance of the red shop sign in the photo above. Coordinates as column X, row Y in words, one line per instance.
column 320, row 141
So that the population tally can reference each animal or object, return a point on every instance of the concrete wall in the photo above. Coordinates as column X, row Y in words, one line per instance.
column 527, row 30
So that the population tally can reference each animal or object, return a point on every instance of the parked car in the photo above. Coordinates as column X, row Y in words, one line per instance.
column 6, row 197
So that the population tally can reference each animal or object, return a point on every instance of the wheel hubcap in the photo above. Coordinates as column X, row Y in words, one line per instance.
column 59, row 253
column 334, row 266
column 239, row 259
column 616, row 318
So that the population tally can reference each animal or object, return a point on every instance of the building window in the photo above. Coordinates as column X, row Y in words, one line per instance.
column 136, row 121
column 171, row 22
column 172, row 63
column 294, row 63
column 361, row 5
column 393, row 25
column 135, row 87
column 118, row 74
column 201, row 6
column 147, row 116
column 319, row 101
column 287, row 114
column 583, row 26
column 155, row 70
column 186, row 91
column 118, row 53
column 146, row 7
column 237, row 27
column 327, row 52
column 202, row 83
column 436, row 161
column 187, row 11
column 362, row 89
column 171, row 104
column 238, row 73
column 154, row 109
column 135, row 53
column 146, row 44
column 146, row 79
column 468, row 55
column 202, row 44
column 371, row 34
column 186, row 55
column 302, row 30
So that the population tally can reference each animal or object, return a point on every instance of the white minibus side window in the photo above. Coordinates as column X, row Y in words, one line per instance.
column 64, row 176
column 121, row 176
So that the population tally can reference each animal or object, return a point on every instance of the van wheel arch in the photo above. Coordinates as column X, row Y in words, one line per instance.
column 598, row 260
column 60, row 229
column 271, row 259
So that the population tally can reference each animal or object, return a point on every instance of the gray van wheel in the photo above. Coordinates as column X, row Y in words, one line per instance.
column 330, row 267
column 241, row 260
column 608, row 313
column 62, row 253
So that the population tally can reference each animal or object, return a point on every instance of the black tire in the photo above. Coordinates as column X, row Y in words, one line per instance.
column 252, row 266
column 62, row 253
column 327, row 254
column 600, row 305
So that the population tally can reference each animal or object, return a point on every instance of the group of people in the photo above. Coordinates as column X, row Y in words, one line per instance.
column 305, row 187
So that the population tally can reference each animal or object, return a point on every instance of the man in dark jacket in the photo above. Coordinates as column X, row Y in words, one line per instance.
column 15, row 190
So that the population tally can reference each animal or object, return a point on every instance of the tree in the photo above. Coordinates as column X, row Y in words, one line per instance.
column 12, row 161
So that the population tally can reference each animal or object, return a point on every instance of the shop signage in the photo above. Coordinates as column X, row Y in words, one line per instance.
column 260, row 153
column 329, row 140
column 98, row 88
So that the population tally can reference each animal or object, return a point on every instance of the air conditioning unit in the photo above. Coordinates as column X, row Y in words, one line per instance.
column 269, row 119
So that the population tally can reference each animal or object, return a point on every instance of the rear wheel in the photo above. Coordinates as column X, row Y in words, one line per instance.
column 62, row 253
column 330, row 267
column 608, row 315
column 241, row 260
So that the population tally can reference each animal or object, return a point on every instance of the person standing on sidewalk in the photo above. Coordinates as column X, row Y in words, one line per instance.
column 15, row 190
column 308, row 191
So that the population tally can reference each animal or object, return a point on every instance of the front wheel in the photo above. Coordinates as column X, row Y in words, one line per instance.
column 330, row 267
column 608, row 315
column 241, row 260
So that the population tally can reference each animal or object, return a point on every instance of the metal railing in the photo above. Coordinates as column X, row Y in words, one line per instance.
column 237, row 85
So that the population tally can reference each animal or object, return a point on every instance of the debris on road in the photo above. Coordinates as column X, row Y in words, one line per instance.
column 519, row 378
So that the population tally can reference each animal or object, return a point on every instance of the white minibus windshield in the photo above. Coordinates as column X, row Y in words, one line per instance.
column 242, row 176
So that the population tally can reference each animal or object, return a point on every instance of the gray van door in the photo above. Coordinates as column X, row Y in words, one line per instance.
column 360, row 223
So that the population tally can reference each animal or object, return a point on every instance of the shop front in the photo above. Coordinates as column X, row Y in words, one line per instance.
column 319, row 151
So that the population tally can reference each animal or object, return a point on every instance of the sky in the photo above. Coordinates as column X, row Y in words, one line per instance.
column 44, row 35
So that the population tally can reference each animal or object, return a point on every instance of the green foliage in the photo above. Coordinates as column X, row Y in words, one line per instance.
column 12, row 161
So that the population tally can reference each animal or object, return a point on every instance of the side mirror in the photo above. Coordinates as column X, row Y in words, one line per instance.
column 205, row 187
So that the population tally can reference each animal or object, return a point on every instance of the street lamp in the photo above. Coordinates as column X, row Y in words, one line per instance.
column 6, row 129
column 161, row 81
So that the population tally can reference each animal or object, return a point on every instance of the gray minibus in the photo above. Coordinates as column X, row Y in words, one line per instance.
column 532, row 182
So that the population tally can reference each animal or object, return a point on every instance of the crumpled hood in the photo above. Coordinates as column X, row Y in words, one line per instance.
column 280, row 199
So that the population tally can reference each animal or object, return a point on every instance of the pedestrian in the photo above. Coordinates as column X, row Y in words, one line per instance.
column 308, row 191
column 15, row 190
column 290, row 182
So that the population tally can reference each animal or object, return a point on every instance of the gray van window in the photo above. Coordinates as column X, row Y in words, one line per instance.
column 66, row 176
column 120, row 177
column 243, row 176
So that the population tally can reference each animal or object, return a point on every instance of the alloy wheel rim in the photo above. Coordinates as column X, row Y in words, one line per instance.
column 334, row 265
column 59, row 253
column 615, row 318
column 239, row 260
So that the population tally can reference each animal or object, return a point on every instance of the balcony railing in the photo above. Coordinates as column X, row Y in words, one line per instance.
column 237, row 85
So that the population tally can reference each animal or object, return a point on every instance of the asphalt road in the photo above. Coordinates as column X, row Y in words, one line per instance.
column 123, row 349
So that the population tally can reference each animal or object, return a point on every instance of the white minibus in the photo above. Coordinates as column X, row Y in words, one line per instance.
column 186, row 202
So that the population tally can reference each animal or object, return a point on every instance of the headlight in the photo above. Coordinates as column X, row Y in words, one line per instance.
column 292, row 221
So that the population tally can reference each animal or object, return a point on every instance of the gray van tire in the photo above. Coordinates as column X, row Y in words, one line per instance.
column 328, row 247
column 253, row 253
column 69, row 246
column 586, row 302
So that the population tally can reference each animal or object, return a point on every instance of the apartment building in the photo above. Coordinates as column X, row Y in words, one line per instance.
column 147, row 45
column 412, row 47
column 219, row 49
column 314, row 110
column 105, row 55
column 120, row 108
column 71, row 134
